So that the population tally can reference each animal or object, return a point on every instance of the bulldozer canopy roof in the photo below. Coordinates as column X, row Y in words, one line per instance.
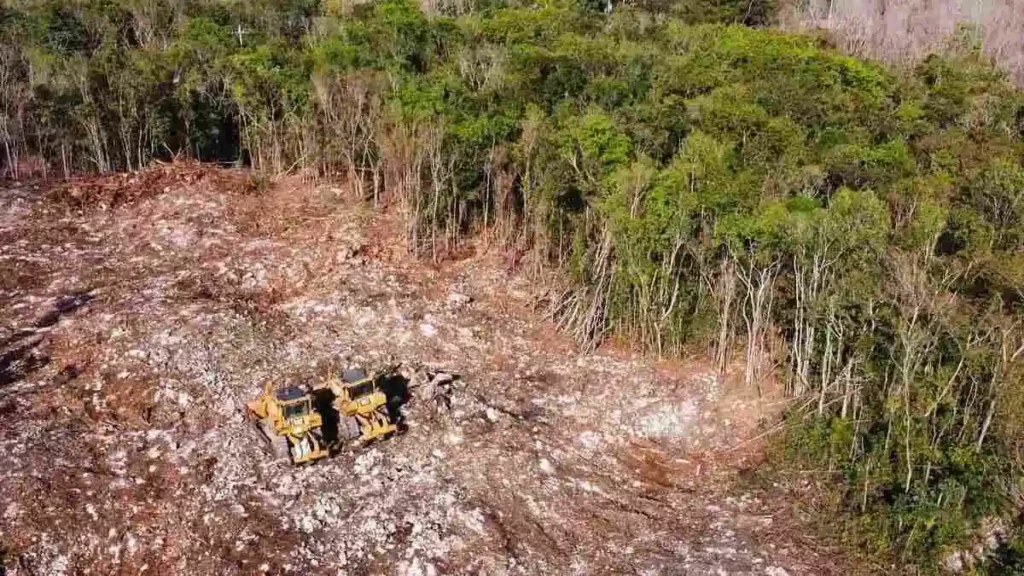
column 289, row 394
column 353, row 375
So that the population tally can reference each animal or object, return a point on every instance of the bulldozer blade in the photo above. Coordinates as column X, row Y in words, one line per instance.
column 308, row 449
column 278, row 444
column 348, row 429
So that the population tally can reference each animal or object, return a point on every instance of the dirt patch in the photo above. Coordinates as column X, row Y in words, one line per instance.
column 127, row 450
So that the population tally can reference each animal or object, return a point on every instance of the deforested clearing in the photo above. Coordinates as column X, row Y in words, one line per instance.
column 133, row 336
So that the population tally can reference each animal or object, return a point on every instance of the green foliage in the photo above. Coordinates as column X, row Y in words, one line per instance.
column 269, row 80
column 750, row 12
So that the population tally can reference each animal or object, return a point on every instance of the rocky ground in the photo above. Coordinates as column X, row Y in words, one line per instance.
column 141, row 312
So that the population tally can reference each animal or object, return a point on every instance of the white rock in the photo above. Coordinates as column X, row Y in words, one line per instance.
column 668, row 420
column 546, row 467
column 590, row 439
column 307, row 524
column 457, row 300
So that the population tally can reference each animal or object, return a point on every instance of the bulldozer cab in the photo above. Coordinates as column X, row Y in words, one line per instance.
column 362, row 405
column 285, row 416
column 295, row 410
column 359, row 388
column 294, row 402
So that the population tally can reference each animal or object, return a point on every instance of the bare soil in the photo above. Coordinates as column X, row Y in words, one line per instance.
column 140, row 313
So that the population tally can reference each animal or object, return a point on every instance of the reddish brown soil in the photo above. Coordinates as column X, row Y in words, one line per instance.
column 141, row 311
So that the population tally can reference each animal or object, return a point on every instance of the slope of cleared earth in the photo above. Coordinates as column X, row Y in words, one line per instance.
column 134, row 330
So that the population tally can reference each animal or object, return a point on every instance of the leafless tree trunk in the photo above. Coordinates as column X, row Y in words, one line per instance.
column 725, row 293
column 759, row 283
column 1011, row 348
column 582, row 310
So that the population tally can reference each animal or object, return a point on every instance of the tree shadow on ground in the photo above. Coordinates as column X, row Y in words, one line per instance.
column 1007, row 559
column 19, row 353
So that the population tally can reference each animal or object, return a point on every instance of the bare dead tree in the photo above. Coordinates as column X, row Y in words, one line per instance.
column 724, row 290
column 1010, row 340
column 902, row 32
column 350, row 108
column 13, row 97
column 582, row 311
column 758, row 280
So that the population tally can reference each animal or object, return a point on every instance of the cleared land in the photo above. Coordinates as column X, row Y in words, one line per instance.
column 134, row 330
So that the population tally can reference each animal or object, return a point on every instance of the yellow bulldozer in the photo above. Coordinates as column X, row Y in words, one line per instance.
column 361, row 404
column 286, row 417
column 292, row 418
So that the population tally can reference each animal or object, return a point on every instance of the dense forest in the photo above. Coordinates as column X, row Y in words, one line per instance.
column 700, row 181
